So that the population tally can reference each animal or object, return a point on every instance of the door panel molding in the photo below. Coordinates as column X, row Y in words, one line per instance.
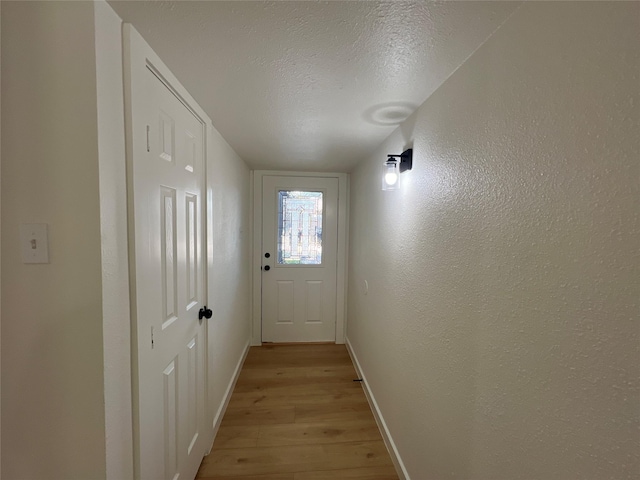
column 256, row 262
column 189, row 368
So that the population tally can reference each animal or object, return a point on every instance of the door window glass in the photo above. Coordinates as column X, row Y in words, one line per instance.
column 299, row 228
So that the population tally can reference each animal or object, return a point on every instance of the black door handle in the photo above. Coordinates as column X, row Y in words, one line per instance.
column 205, row 312
column 267, row 268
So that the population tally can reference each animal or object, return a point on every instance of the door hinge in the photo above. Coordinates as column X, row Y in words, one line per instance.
column 152, row 344
column 148, row 144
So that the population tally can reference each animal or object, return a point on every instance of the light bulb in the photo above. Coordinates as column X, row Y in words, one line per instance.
column 391, row 178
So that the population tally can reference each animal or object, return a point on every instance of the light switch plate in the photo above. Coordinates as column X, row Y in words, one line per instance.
column 34, row 243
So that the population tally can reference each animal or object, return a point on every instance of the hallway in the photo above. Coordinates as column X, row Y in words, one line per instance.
column 491, row 300
column 297, row 414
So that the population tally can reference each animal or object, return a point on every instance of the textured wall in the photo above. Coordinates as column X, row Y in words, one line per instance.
column 53, row 424
column 499, row 335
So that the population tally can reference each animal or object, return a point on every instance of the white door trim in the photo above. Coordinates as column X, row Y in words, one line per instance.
column 256, row 261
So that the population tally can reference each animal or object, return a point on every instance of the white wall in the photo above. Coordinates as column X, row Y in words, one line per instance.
column 229, row 263
column 52, row 356
column 499, row 335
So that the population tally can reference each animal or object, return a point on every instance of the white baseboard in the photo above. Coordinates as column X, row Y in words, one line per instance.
column 217, row 419
column 386, row 436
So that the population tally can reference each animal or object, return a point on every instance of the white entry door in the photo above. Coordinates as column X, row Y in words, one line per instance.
column 166, row 185
column 299, row 258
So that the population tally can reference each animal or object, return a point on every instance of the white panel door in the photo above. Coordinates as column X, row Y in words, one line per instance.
column 299, row 258
column 166, row 185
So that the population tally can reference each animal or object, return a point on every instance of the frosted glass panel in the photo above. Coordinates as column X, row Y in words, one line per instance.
column 299, row 228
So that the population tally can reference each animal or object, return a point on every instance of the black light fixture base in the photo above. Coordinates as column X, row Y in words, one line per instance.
column 406, row 160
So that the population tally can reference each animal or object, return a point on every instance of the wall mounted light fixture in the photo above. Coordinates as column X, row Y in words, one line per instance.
column 393, row 167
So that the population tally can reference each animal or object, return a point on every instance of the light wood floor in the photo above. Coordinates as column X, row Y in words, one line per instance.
column 297, row 414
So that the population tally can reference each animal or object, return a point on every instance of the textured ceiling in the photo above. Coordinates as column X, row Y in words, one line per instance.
column 312, row 86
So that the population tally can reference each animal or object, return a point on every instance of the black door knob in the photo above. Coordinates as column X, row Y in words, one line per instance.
column 267, row 268
column 205, row 313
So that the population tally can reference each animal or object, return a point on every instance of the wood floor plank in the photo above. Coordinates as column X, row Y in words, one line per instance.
column 241, row 415
column 286, row 375
column 365, row 473
column 318, row 433
column 297, row 371
column 231, row 436
column 357, row 410
column 275, row 476
column 295, row 356
column 296, row 414
column 292, row 397
column 298, row 387
column 294, row 458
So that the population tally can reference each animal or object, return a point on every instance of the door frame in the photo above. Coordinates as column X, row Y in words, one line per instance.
column 137, row 56
column 256, row 260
